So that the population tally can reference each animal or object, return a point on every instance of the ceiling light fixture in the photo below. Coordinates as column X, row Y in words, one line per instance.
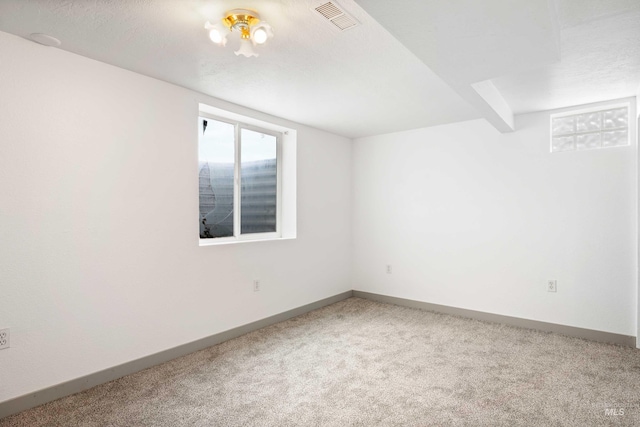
column 247, row 22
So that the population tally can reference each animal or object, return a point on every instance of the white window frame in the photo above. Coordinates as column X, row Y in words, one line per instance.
column 280, row 133
column 601, row 107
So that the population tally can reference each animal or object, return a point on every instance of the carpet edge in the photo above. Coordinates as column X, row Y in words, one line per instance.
column 67, row 388
column 571, row 331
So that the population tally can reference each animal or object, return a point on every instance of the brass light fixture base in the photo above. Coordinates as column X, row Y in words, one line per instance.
column 241, row 20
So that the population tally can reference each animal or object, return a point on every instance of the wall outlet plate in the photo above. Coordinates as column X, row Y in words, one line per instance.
column 256, row 286
column 4, row 338
column 552, row 286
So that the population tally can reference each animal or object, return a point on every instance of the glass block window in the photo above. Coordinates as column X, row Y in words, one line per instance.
column 588, row 129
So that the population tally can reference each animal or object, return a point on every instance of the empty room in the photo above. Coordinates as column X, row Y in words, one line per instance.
column 319, row 213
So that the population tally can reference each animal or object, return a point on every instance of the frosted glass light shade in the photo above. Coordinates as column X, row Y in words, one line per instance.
column 246, row 49
column 252, row 31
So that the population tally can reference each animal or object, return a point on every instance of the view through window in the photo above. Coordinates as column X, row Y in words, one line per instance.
column 238, row 180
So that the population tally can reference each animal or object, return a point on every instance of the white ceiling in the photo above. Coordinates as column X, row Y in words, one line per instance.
column 359, row 82
column 599, row 59
column 525, row 55
column 412, row 63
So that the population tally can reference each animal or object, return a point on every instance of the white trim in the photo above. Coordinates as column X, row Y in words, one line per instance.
column 236, row 179
column 232, row 241
column 279, row 178
column 235, row 117
column 592, row 109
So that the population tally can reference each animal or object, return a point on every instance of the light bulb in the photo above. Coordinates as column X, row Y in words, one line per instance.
column 260, row 35
column 215, row 35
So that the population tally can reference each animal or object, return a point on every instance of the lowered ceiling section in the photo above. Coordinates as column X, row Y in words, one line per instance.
column 600, row 59
column 468, row 42
column 520, row 56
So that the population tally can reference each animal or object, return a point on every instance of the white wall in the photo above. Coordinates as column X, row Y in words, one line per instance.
column 472, row 218
column 638, row 206
column 99, row 259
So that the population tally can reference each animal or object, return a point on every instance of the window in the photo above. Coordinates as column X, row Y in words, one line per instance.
column 588, row 129
column 240, row 176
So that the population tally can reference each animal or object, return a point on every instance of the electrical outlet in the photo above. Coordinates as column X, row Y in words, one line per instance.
column 4, row 338
column 552, row 286
column 389, row 269
column 256, row 285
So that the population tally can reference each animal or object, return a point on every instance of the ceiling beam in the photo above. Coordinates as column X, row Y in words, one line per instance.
column 467, row 43
column 489, row 102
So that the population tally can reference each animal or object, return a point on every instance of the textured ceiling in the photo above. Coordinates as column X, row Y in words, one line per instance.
column 410, row 64
column 599, row 59
column 533, row 54
column 355, row 83
column 469, row 40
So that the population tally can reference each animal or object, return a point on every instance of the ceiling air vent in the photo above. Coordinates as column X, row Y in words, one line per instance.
column 333, row 13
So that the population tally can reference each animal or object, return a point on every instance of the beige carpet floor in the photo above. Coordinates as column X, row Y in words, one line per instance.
column 363, row 363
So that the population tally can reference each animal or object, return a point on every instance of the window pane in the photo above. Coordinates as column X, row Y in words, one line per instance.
column 564, row 125
column 564, row 143
column 258, row 175
column 615, row 138
column 216, row 159
column 615, row 118
column 587, row 141
column 589, row 122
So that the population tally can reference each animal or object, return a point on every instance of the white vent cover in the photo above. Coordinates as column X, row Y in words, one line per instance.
column 333, row 13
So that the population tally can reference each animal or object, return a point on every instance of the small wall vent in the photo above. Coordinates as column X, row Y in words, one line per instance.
column 333, row 13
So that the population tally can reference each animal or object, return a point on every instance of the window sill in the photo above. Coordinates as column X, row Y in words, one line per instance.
column 216, row 242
